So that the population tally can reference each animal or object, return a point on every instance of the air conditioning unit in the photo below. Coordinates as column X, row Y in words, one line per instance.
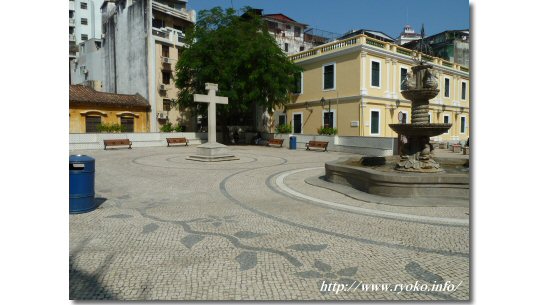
column 162, row 87
column 162, row 115
column 166, row 60
column 84, row 70
column 103, row 35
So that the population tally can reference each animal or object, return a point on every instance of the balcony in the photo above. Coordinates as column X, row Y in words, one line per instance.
column 72, row 38
column 169, row 35
column 163, row 8
column 71, row 5
column 71, row 21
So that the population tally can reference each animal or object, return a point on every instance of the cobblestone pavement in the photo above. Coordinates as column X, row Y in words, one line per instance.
column 173, row 229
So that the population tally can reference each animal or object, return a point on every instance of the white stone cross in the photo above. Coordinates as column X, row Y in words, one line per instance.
column 213, row 100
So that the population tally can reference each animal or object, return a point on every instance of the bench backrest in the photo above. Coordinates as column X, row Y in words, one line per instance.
column 176, row 140
column 276, row 141
column 318, row 143
column 117, row 142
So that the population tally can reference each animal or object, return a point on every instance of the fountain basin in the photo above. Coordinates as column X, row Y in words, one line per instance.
column 429, row 130
column 420, row 94
column 378, row 177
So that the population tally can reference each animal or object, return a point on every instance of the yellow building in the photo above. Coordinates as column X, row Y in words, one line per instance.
column 89, row 108
column 360, row 78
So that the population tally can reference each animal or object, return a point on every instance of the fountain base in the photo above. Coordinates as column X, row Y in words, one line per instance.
column 415, row 155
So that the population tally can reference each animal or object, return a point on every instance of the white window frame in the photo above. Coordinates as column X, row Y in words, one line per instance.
column 401, row 80
column 323, row 77
column 446, row 116
column 379, row 122
column 464, row 126
column 380, row 73
column 466, row 87
column 293, row 122
column 444, row 85
column 323, row 117
column 302, row 84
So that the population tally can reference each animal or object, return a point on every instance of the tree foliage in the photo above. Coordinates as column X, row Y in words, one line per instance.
column 239, row 55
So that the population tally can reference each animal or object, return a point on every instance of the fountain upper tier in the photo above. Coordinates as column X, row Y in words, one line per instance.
column 428, row 129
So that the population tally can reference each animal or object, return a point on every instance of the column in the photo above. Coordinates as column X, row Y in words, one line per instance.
column 364, row 91
column 363, row 117
column 389, row 80
column 395, row 83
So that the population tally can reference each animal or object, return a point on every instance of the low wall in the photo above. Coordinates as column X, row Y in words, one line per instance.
column 368, row 146
column 142, row 139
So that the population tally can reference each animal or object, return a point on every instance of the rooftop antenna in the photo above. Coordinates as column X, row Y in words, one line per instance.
column 406, row 15
column 232, row 2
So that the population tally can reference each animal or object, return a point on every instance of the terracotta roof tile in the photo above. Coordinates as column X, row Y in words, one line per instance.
column 79, row 94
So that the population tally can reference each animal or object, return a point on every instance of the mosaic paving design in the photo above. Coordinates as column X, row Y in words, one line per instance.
column 172, row 229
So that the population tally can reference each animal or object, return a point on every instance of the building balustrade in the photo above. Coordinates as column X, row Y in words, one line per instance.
column 169, row 35
column 181, row 13
column 365, row 40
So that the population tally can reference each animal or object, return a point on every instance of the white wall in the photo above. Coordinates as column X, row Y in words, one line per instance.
column 146, row 139
column 368, row 146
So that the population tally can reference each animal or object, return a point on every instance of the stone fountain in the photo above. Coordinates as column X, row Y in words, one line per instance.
column 420, row 86
column 414, row 173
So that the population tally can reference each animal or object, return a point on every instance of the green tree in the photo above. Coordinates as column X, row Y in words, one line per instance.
column 237, row 53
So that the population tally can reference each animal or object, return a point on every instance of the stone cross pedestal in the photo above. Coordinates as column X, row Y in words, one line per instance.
column 212, row 151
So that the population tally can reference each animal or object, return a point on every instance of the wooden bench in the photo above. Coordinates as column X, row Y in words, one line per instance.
column 317, row 144
column 275, row 142
column 117, row 142
column 177, row 141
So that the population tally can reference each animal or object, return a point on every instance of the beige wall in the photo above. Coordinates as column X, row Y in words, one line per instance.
column 350, row 105
column 109, row 115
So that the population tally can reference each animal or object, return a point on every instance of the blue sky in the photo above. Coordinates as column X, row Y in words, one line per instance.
column 388, row 16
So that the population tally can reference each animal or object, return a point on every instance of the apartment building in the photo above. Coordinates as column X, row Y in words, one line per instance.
column 84, row 22
column 140, row 44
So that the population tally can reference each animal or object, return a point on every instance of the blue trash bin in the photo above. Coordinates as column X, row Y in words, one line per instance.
column 81, row 184
column 293, row 142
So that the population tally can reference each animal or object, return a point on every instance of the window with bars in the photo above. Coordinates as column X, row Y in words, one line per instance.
column 376, row 66
column 167, row 105
column 166, row 51
column 92, row 123
column 328, row 77
column 128, row 123
column 166, row 77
